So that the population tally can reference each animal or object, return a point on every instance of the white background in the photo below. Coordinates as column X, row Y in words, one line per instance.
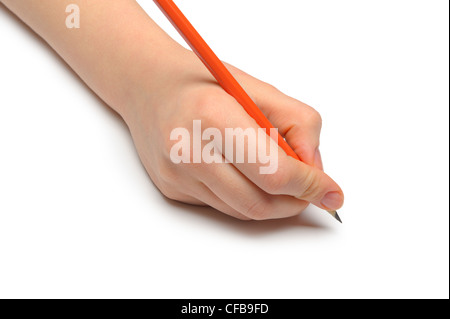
column 80, row 218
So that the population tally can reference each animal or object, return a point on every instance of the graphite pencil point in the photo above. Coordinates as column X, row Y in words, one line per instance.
column 336, row 216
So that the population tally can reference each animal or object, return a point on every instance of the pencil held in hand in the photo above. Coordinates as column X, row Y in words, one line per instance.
column 221, row 73
column 218, row 69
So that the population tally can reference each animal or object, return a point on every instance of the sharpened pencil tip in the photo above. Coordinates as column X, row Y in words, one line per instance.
column 336, row 216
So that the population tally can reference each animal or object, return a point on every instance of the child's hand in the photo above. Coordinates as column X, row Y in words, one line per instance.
column 180, row 91
column 157, row 86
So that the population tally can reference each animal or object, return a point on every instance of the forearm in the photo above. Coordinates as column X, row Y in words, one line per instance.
column 116, row 46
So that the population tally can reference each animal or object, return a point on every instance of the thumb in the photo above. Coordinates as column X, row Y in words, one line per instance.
column 312, row 185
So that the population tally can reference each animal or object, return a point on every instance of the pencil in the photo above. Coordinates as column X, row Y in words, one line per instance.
column 220, row 72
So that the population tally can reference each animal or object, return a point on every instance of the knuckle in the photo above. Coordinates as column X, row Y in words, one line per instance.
column 167, row 191
column 204, row 100
column 260, row 209
column 271, row 87
column 167, row 174
column 243, row 218
column 314, row 117
column 311, row 185
column 275, row 183
column 208, row 104
column 308, row 114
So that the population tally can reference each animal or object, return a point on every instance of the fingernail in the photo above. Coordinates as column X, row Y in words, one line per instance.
column 333, row 200
column 318, row 160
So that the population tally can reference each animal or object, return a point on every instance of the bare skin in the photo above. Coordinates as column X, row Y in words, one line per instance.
column 156, row 85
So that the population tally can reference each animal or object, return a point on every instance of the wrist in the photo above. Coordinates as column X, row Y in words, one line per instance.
column 146, row 71
column 151, row 76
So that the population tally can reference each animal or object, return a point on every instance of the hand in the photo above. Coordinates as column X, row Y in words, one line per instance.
column 181, row 90
column 156, row 85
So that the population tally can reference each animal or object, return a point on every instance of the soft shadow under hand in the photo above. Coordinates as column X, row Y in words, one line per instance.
column 252, row 228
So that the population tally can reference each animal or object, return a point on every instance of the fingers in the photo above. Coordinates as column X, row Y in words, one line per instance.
column 299, row 123
column 299, row 180
column 244, row 197
column 291, row 177
column 208, row 197
column 193, row 193
column 313, row 185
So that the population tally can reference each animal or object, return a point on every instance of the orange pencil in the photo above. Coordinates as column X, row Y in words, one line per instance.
column 221, row 73
column 218, row 69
